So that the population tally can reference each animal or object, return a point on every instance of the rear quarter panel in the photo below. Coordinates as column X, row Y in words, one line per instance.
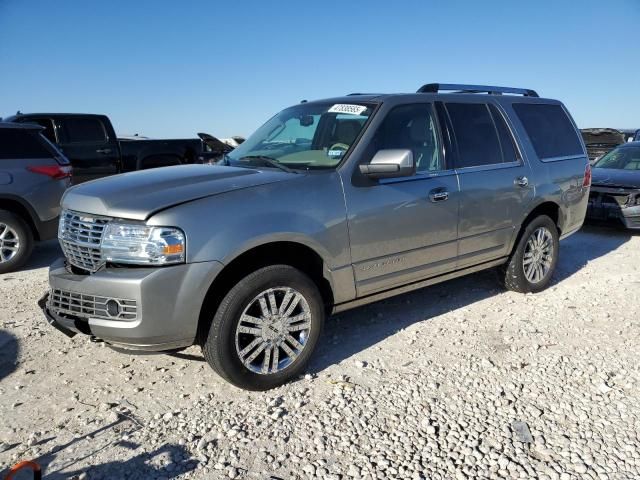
column 40, row 192
column 559, row 181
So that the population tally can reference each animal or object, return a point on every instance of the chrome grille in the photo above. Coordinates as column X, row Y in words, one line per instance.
column 80, row 236
column 90, row 306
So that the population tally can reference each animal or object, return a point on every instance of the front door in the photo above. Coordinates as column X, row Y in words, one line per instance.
column 85, row 141
column 404, row 230
column 494, row 181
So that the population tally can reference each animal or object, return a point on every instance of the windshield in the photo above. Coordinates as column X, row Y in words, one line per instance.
column 626, row 158
column 306, row 136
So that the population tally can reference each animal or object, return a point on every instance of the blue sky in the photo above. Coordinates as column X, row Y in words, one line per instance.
column 171, row 69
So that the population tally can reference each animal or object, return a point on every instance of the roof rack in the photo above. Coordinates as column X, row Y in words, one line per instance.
column 461, row 88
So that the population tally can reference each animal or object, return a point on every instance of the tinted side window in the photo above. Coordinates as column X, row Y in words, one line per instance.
column 551, row 132
column 16, row 143
column 475, row 134
column 412, row 127
column 84, row 130
column 507, row 144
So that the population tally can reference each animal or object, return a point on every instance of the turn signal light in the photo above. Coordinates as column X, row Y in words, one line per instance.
column 172, row 249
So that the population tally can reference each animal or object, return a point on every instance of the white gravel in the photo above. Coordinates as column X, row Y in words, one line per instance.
column 460, row 380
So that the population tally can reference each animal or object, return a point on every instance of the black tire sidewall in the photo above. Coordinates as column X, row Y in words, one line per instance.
column 25, row 237
column 518, row 267
column 220, row 347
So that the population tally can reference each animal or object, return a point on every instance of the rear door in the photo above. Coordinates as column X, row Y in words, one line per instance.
column 494, row 184
column 90, row 144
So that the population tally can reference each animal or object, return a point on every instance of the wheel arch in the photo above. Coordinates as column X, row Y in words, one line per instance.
column 24, row 210
column 549, row 208
column 292, row 253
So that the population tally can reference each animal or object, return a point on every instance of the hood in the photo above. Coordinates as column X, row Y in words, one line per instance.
column 613, row 177
column 602, row 136
column 138, row 195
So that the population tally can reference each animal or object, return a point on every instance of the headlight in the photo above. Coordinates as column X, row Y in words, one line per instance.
column 143, row 245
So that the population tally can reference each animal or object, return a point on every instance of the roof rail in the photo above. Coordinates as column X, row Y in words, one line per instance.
column 359, row 93
column 461, row 88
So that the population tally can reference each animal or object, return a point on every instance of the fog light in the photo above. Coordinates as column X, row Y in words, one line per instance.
column 113, row 308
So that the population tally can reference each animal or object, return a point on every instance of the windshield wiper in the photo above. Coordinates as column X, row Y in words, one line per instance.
column 272, row 162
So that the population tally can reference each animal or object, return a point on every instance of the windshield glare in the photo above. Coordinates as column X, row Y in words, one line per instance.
column 627, row 158
column 306, row 136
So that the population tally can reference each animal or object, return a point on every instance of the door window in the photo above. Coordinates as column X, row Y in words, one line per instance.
column 84, row 130
column 412, row 127
column 475, row 135
column 507, row 143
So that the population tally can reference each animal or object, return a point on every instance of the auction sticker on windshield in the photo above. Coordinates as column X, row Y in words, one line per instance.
column 346, row 108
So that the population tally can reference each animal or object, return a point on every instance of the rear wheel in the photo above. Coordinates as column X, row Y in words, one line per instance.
column 534, row 259
column 16, row 241
column 266, row 328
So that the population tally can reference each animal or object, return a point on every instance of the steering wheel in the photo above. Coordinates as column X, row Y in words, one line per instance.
column 339, row 146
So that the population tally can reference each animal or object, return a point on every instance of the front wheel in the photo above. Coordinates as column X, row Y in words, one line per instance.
column 266, row 328
column 534, row 259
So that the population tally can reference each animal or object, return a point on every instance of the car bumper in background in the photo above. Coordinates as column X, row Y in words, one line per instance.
column 149, row 309
column 612, row 204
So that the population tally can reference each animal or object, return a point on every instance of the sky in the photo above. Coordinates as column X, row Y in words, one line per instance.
column 170, row 69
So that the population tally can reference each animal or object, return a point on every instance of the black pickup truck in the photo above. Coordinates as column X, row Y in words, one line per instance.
column 90, row 143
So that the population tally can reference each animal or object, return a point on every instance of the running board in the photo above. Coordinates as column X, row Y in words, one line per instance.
column 358, row 302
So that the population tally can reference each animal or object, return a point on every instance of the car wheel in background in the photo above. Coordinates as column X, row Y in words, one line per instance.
column 16, row 241
column 266, row 328
column 534, row 258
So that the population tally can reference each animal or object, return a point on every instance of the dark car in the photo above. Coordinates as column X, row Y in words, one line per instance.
column 90, row 143
column 33, row 177
column 615, row 189
column 600, row 141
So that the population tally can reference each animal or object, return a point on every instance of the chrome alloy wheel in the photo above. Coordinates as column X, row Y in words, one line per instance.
column 273, row 330
column 9, row 243
column 538, row 255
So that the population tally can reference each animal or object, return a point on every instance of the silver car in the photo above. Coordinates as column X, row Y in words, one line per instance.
column 33, row 177
column 329, row 205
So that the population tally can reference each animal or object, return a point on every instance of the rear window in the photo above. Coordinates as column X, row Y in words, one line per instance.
column 551, row 132
column 17, row 143
column 84, row 130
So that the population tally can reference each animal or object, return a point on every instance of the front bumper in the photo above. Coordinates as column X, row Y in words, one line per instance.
column 599, row 209
column 167, row 304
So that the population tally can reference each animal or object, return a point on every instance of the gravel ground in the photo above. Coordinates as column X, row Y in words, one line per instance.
column 459, row 380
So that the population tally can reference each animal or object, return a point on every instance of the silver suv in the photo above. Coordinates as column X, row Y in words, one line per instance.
column 329, row 205
column 33, row 177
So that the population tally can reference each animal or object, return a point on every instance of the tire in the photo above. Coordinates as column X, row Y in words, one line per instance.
column 224, row 345
column 14, row 232
column 518, row 278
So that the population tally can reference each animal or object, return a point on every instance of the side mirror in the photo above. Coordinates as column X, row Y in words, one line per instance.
column 392, row 163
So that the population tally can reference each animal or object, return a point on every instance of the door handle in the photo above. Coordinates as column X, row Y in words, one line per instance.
column 521, row 181
column 104, row 151
column 438, row 195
